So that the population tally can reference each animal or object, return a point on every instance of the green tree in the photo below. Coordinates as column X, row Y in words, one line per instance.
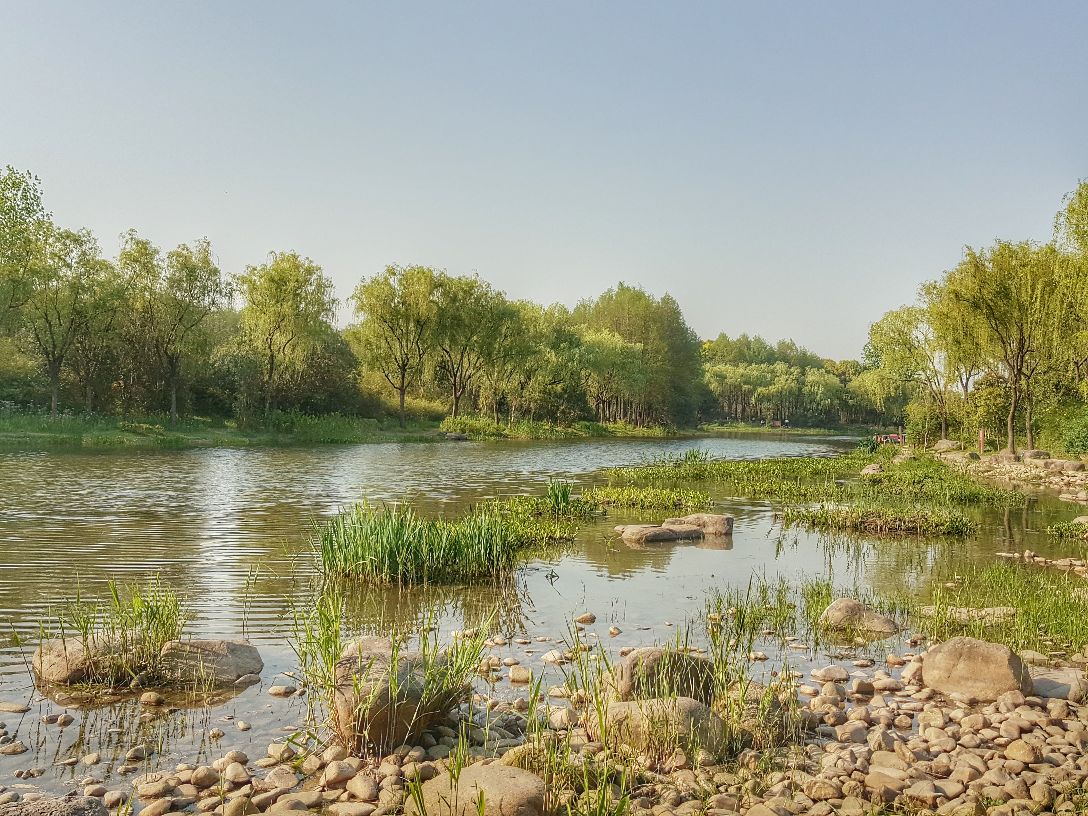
column 397, row 311
column 24, row 229
column 64, row 300
column 288, row 305
column 469, row 312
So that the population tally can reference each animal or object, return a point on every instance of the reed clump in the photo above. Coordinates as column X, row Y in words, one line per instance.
column 1069, row 530
column 123, row 634
column 882, row 520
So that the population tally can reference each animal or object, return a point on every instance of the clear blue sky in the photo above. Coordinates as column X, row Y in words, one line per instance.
column 784, row 169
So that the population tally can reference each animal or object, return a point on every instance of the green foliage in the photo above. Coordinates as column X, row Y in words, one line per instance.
column 677, row 499
column 1069, row 530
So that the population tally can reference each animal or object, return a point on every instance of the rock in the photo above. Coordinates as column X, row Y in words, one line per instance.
column 586, row 619
column 946, row 445
column 847, row 616
column 66, row 661
column 152, row 698
column 969, row 614
column 709, row 523
column 218, row 662
column 1077, row 520
column 658, row 726
column 282, row 690
column 369, row 709
column 48, row 806
column 1062, row 684
column 481, row 790
column 654, row 671
column 875, row 469
column 1034, row 453
column 13, row 708
column 1065, row 465
column 637, row 534
column 974, row 669
column 520, row 674
column 13, row 748
column 831, row 674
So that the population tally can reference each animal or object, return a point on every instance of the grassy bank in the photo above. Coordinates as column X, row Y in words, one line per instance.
column 749, row 428
column 88, row 431
column 482, row 428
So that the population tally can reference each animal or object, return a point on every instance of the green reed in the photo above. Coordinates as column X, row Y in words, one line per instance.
column 677, row 499
column 131, row 626
column 881, row 519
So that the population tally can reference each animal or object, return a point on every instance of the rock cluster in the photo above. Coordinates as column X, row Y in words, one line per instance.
column 695, row 526
column 1067, row 476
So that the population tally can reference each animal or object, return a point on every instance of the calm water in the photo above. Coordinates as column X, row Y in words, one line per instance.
column 228, row 528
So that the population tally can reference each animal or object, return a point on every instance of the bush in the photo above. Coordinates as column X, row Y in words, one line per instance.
column 1075, row 438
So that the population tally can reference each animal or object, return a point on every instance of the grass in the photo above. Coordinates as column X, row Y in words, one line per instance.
column 749, row 428
column 393, row 544
column 678, row 499
column 1050, row 607
column 37, row 430
column 428, row 679
column 822, row 478
column 1069, row 530
column 132, row 624
column 884, row 520
column 483, row 428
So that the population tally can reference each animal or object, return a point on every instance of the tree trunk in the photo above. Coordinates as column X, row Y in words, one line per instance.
column 944, row 424
column 89, row 395
column 1010, row 420
column 1028, row 419
column 173, row 401
column 402, row 390
column 55, row 398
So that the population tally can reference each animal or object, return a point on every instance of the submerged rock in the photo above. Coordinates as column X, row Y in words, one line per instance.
column 219, row 662
column 849, row 616
column 648, row 533
column 974, row 669
column 66, row 661
column 481, row 790
column 382, row 699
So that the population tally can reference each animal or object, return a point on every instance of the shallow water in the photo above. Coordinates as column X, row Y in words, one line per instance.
column 228, row 529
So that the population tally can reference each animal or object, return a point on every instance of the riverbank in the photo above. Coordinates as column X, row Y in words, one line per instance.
column 41, row 431
column 1032, row 468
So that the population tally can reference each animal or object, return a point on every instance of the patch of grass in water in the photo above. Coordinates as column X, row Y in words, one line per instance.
column 134, row 622
column 1069, row 530
column 881, row 519
column 677, row 499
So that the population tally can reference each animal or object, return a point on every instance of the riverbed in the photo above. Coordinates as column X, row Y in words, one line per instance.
column 228, row 529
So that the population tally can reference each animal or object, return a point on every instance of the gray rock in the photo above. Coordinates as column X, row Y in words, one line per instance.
column 636, row 534
column 848, row 616
column 1063, row 684
column 219, row 662
column 709, row 523
column 946, row 445
column 974, row 669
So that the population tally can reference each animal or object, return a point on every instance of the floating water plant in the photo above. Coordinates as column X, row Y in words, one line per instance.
column 881, row 519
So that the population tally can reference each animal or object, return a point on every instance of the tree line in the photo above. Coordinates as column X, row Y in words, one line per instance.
column 156, row 330
column 999, row 342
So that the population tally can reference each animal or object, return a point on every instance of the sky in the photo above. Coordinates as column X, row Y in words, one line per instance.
column 783, row 169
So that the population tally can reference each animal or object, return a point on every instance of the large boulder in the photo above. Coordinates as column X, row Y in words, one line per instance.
column 657, row 727
column 48, row 806
column 654, row 671
column 68, row 660
column 214, row 662
column 974, row 669
column 1065, row 465
column 384, row 695
column 1034, row 453
column 873, row 469
column 709, row 523
column 847, row 616
column 481, row 790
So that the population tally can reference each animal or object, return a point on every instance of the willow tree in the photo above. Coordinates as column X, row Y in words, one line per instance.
column 1010, row 297
column 24, row 229
column 288, row 306
column 62, row 304
column 469, row 315
column 395, row 335
column 171, row 298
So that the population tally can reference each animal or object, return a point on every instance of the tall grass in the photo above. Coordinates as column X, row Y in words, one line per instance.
column 677, row 499
column 483, row 428
column 881, row 519
column 130, row 628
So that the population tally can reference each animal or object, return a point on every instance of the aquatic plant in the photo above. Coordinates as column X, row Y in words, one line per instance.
column 878, row 519
column 131, row 625
column 1073, row 530
column 679, row 499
